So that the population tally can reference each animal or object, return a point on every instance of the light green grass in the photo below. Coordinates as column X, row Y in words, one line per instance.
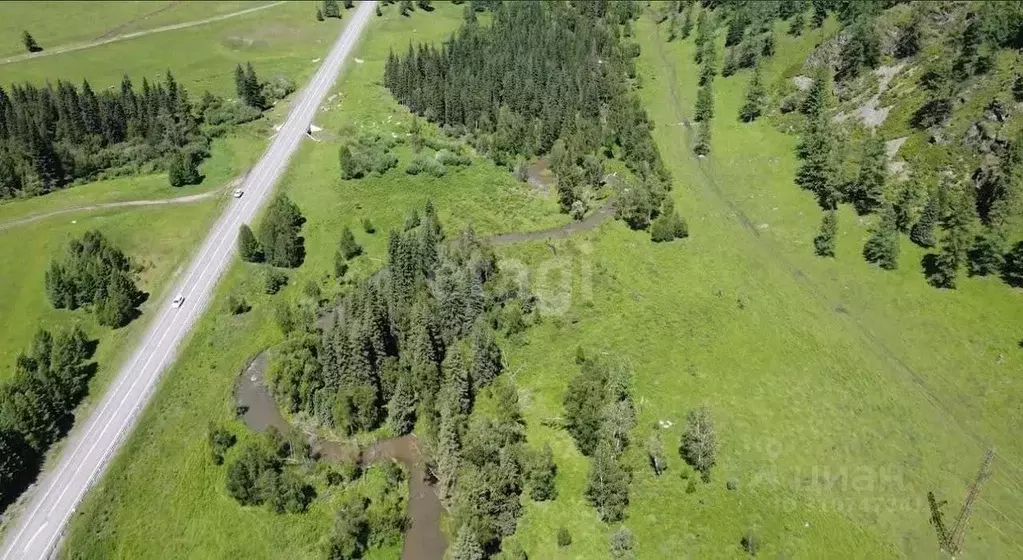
column 842, row 393
column 280, row 40
column 163, row 481
column 81, row 22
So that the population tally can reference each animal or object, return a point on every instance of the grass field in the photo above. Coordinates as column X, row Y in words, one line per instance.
column 842, row 393
column 80, row 22
column 280, row 40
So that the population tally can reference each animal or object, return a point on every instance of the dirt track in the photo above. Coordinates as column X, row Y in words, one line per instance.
column 73, row 209
column 103, row 41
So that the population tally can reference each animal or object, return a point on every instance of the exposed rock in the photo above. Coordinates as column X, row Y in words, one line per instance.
column 802, row 82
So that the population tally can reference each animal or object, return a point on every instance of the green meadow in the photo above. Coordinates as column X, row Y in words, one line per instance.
column 842, row 393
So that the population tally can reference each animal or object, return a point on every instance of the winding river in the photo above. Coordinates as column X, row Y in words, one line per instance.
column 423, row 538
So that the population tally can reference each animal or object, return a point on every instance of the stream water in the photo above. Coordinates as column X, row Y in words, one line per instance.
column 423, row 538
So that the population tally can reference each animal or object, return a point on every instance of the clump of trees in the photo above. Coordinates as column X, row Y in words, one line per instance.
column 464, row 86
column 258, row 475
column 599, row 414
column 257, row 94
column 95, row 274
column 361, row 523
column 415, row 344
column 37, row 404
column 53, row 136
column 278, row 241
column 668, row 225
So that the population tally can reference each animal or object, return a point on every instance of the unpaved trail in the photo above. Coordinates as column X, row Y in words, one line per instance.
column 103, row 41
column 604, row 213
column 88, row 207
column 813, row 289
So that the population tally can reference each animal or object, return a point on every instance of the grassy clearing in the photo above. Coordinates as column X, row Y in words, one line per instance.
column 79, row 22
column 163, row 481
column 842, row 393
column 281, row 40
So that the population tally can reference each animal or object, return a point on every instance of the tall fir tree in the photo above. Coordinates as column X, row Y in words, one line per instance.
column 922, row 232
column 882, row 247
column 824, row 242
column 755, row 98
column 867, row 193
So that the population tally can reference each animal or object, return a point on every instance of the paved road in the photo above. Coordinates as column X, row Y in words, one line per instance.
column 90, row 448
column 103, row 41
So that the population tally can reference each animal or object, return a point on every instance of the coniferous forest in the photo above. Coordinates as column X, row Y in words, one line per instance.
column 542, row 79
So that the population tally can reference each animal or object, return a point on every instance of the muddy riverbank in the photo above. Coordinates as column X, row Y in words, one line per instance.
column 423, row 539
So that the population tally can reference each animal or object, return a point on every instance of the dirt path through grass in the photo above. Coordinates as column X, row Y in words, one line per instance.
column 818, row 293
column 134, row 35
column 178, row 200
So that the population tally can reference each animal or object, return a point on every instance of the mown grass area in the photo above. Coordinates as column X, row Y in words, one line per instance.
column 163, row 481
column 842, row 393
column 80, row 22
column 282, row 40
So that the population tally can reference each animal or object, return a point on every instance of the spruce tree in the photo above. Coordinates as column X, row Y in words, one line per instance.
column 467, row 547
column 542, row 474
column 987, row 255
column 248, row 246
column 868, row 190
column 319, row 14
column 824, row 243
column 30, row 43
column 817, row 173
column 755, row 97
column 702, row 145
column 183, row 169
column 401, row 409
column 818, row 96
column 922, row 232
column 448, row 460
column 330, row 9
column 704, row 103
column 687, row 22
column 607, row 485
column 1012, row 270
column 905, row 200
column 797, row 24
column 882, row 247
column 955, row 243
column 348, row 246
column 699, row 441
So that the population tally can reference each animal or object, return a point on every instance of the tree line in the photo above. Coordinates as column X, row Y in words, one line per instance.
column 37, row 404
column 542, row 79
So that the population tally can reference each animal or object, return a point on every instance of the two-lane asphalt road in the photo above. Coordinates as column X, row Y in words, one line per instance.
column 91, row 445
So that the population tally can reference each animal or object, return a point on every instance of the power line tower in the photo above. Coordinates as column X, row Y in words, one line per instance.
column 951, row 541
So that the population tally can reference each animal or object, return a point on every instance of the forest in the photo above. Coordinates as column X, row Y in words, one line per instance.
column 55, row 136
column 543, row 80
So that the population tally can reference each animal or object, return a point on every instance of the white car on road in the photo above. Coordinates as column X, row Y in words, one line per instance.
column 238, row 193
column 178, row 300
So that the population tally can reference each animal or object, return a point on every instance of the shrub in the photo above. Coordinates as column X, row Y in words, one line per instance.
column 425, row 164
column 564, row 537
column 237, row 305
column 622, row 544
column 220, row 441
column 274, row 280
column 367, row 226
column 447, row 157
column 750, row 543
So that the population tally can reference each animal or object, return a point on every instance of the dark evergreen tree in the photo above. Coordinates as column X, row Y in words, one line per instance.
column 797, row 25
column 248, row 247
column 30, row 43
column 922, row 232
column 467, row 546
column 319, row 14
column 863, row 48
column 905, row 200
column 704, row 104
column 584, row 407
column 1012, row 270
column 330, row 9
column 824, row 242
column 755, row 98
column 348, row 247
column 818, row 172
column 541, row 476
column 867, row 191
column 94, row 273
column 401, row 409
column 820, row 12
column 910, row 37
column 955, row 243
column 882, row 247
column 687, row 22
column 702, row 145
column 278, row 233
column 183, row 169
